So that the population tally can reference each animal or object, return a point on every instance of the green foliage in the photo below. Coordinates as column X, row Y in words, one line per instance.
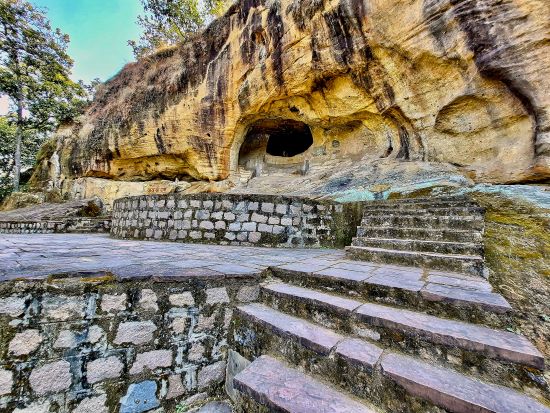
column 30, row 145
column 168, row 22
column 34, row 74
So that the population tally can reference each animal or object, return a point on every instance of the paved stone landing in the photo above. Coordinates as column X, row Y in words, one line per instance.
column 41, row 255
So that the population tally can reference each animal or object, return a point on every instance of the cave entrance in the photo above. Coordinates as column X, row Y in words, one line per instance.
column 282, row 138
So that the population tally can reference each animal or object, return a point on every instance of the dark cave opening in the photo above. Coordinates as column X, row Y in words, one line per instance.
column 278, row 137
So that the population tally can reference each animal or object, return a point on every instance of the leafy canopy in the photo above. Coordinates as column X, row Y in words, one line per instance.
column 168, row 22
column 35, row 66
column 34, row 74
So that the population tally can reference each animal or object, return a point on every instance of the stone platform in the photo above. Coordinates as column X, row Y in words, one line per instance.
column 115, row 324
column 44, row 255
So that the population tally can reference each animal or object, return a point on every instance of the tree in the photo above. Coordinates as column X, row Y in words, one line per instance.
column 34, row 74
column 31, row 142
column 168, row 22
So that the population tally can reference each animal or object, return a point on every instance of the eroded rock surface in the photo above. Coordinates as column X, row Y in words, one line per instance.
column 453, row 87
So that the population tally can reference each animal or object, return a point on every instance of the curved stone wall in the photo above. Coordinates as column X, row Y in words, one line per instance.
column 234, row 219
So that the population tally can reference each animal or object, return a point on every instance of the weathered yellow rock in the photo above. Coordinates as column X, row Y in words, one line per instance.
column 461, row 84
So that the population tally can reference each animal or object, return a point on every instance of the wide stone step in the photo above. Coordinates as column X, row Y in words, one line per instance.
column 281, row 388
column 311, row 336
column 495, row 344
column 356, row 365
column 420, row 233
column 423, row 200
column 470, row 222
column 427, row 210
column 459, row 296
column 491, row 343
column 441, row 247
column 453, row 391
column 468, row 264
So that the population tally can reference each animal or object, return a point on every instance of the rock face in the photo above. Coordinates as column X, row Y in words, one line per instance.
column 297, row 85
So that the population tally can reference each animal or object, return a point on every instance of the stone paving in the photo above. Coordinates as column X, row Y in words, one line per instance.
column 42, row 255
column 37, row 256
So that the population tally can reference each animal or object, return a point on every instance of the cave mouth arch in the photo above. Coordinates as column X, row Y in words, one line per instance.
column 284, row 138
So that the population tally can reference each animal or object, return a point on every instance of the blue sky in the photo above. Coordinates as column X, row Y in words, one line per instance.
column 99, row 30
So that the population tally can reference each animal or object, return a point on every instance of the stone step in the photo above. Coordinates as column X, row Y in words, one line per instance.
column 468, row 264
column 423, row 200
column 357, row 365
column 491, row 343
column 420, row 233
column 421, row 204
column 280, row 388
column 312, row 336
column 495, row 344
column 470, row 222
column 453, row 391
column 467, row 298
column 427, row 210
column 441, row 247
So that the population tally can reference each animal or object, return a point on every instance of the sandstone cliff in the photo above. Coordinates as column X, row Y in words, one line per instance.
column 421, row 86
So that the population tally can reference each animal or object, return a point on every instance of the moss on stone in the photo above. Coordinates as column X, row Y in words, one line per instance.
column 517, row 253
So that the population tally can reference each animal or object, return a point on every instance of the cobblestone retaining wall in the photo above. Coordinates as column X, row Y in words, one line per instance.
column 94, row 344
column 51, row 227
column 231, row 219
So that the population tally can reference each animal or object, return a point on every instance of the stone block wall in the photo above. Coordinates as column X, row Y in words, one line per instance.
column 94, row 344
column 97, row 225
column 234, row 219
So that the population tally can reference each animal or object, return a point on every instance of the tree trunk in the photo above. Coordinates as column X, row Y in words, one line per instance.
column 18, row 139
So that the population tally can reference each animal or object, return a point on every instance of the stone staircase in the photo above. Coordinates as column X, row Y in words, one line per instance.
column 442, row 233
column 242, row 176
column 365, row 337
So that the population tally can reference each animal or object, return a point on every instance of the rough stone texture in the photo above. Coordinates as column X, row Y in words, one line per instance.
column 175, row 386
column 499, row 344
column 25, row 342
column 151, row 360
column 6, row 382
column 309, row 335
column 88, row 350
column 235, row 364
column 453, row 391
column 303, row 221
column 182, row 299
column 63, row 308
column 135, row 332
column 51, row 378
column 216, row 296
column 111, row 303
column 248, row 293
column 92, row 405
column 148, row 301
column 215, row 407
column 66, row 339
column 211, row 375
column 102, row 369
column 38, row 407
column 281, row 388
column 12, row 306
column 140, row 397
column 359, row 351
column 456, row 87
